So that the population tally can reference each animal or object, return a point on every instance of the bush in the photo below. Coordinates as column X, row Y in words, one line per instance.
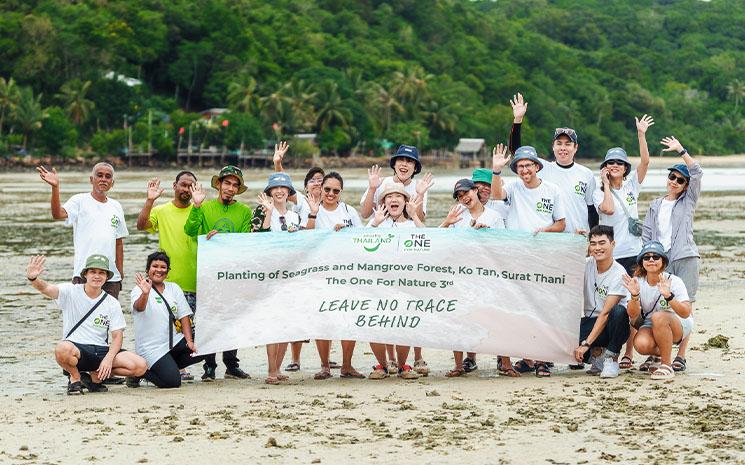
column 109, row 142
column 57, row 136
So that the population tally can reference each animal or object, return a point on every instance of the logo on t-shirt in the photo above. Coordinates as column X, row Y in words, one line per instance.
column 115, row 221
column 630, row 199
column 101, row 321
column 545, row 206
column 580, row 188
column 224, row 225
column 602, row 291
column 664, row 305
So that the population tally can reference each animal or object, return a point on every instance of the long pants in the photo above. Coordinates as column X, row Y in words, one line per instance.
column 615, row 333
column 165, row 372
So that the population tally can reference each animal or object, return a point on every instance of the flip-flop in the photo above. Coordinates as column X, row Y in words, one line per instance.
column 455, row 372
column 626, row 363
column 542, row 370
column 323, row 374
column 272, row 380
column 521, row 366
column 293, row 367
column 679, row 364
column 283, row 377
column 352, row 375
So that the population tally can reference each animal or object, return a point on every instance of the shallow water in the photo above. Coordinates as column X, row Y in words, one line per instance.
column 30, row 324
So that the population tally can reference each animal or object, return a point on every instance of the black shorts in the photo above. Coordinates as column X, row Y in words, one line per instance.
column 90, row 356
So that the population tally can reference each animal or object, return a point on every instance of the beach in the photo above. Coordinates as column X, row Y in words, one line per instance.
column 478, row 419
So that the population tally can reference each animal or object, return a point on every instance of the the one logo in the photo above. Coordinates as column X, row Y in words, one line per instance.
column 664, row 305
column 101, row 321
column 602, row 291
column 371, row 242
column 580, row 188
column 630, row 199
column 224, row 225
column 545, row 206
column 417, row 243
column 115, row 221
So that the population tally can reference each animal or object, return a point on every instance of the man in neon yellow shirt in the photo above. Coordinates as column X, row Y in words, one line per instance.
column 221, row 215
column 168, row 220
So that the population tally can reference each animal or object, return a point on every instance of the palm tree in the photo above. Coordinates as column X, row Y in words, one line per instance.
column 440, row 117
column 332, row 108
column 274, row 107
column 79, row 108
column 736, row 91
column 384, row 103
column 28, row 113
column 242, row 94
column 8, row 98
column 300, row 96
column 411, row 87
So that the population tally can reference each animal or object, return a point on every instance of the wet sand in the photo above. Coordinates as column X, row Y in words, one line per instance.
column 482, row 418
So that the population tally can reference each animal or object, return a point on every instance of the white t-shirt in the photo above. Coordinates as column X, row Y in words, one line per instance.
column 75, row 303
column 389, row 223
column 96, row 226
column 291, row 218
column 627, row 245
column 488, row 217
column 152, row 324
column 531, row 209
column 388, row 181
column 600, row 285
column 651, row 299
column 664, row 223
column 577, row 185
column 344, row 214
column 302, row 208
column 499, row 206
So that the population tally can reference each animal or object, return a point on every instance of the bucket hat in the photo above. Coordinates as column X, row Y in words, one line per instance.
column 526, row 152
column 617, row 153
column 654, row 247
column 99, row 262
column 279, row 180
column 229, row 170
column 410, row 152
column 394, row 188
column 481, row 175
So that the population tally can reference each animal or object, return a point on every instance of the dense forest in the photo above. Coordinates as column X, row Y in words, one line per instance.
column 365, row 74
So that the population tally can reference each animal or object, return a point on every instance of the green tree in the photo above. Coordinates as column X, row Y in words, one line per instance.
column 29, row 113
column 332, row 110
column 735, row 91
column 8, row 99
column 74, row 95
column 58, row 136
column 384, row 104
column 242, row 94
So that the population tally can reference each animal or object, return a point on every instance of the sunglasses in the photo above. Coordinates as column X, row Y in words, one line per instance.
column 615, row 163
column 328, row 189
column 283, row 223
column 653, row 257
column 678, row 179
column 567, row 131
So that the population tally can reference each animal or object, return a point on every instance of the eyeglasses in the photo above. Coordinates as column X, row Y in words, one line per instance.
column 315, row 180
column 283, row 223
column 614, row 163
column 525, row 166
column 653, row 257
column 680, row 180
column 328, row 189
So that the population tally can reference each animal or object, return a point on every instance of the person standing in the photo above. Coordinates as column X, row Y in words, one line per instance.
column 88, row 316
column 221, row 215
column 97, row 222
column 670, row 221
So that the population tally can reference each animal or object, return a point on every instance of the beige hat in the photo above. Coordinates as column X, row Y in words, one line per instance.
column 395, row 188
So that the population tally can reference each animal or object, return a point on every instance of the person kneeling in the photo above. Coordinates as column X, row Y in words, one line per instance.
column 161, row 315
column 88, row 314
column 605, row 322
column 659, row 307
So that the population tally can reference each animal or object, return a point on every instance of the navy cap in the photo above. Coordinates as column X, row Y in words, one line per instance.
column 463, row 185
column 569, row 132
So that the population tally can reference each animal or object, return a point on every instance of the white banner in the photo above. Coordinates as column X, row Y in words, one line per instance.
column 485, row 291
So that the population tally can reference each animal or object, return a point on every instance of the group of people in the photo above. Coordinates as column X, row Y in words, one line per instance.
column 640, row 278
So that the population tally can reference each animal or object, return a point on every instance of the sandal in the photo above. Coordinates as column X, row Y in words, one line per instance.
column 626, row 363
column 74, row 389
column 273, row 380
column 679, row 364
column 323, row 374
column 663, row 373
column 334, row 365
column 283, row 377
column 523, row 367
column 469, row 364
column 378, row 373
column 650, row 364
column 293, row 367
column 542, row 370
column 420, row 366
column 87, row 382
column 455, row 372
column 510, row 372
column 406, row 372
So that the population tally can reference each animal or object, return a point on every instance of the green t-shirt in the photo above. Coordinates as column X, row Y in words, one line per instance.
column 233, row 218
column 169, row 220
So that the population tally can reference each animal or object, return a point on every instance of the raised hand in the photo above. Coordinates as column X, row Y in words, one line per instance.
column 453, row 215
column 280, row 150
column 671, row 144
column 314, row 202
column 49, row 177
column 35, row 266
column 380, row 213
column 373, row 177
column 424, row 184
column 631, row 284
column 143, row 282
column 266, row 202
column 412, row 206
column 519, row 107
column 153, row 189
column 197, row 194
column 500, row 157
column 664, row 286
column 644, row 123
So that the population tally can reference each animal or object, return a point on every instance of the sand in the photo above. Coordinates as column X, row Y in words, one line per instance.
column 570, row 418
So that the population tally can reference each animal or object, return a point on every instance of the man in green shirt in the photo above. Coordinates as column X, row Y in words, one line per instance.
column 168, row 220
column 221, row 215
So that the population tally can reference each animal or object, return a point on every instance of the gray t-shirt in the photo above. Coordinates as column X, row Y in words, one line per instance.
column 152, row 324
column 598, row 286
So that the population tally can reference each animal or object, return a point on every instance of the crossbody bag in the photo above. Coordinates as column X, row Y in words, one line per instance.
column 635, row 225
column 171, row 319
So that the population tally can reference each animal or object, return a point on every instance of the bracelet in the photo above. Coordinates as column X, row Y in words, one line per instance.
column 496, row 173
column 31, row 279
column 312, row 217
column 683, row 152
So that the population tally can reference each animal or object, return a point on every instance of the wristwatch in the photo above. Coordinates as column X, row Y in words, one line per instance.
column 635, row 297
column 585, row 343
column 683, row 152
column 312, row 217
column 670, row 297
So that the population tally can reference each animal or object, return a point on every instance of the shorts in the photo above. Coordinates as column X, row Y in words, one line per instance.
column 90, row 356
column 111, row 287
column 687, row 270
column 686, row 323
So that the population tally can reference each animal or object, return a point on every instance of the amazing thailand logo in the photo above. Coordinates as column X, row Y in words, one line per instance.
column 371, row 242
